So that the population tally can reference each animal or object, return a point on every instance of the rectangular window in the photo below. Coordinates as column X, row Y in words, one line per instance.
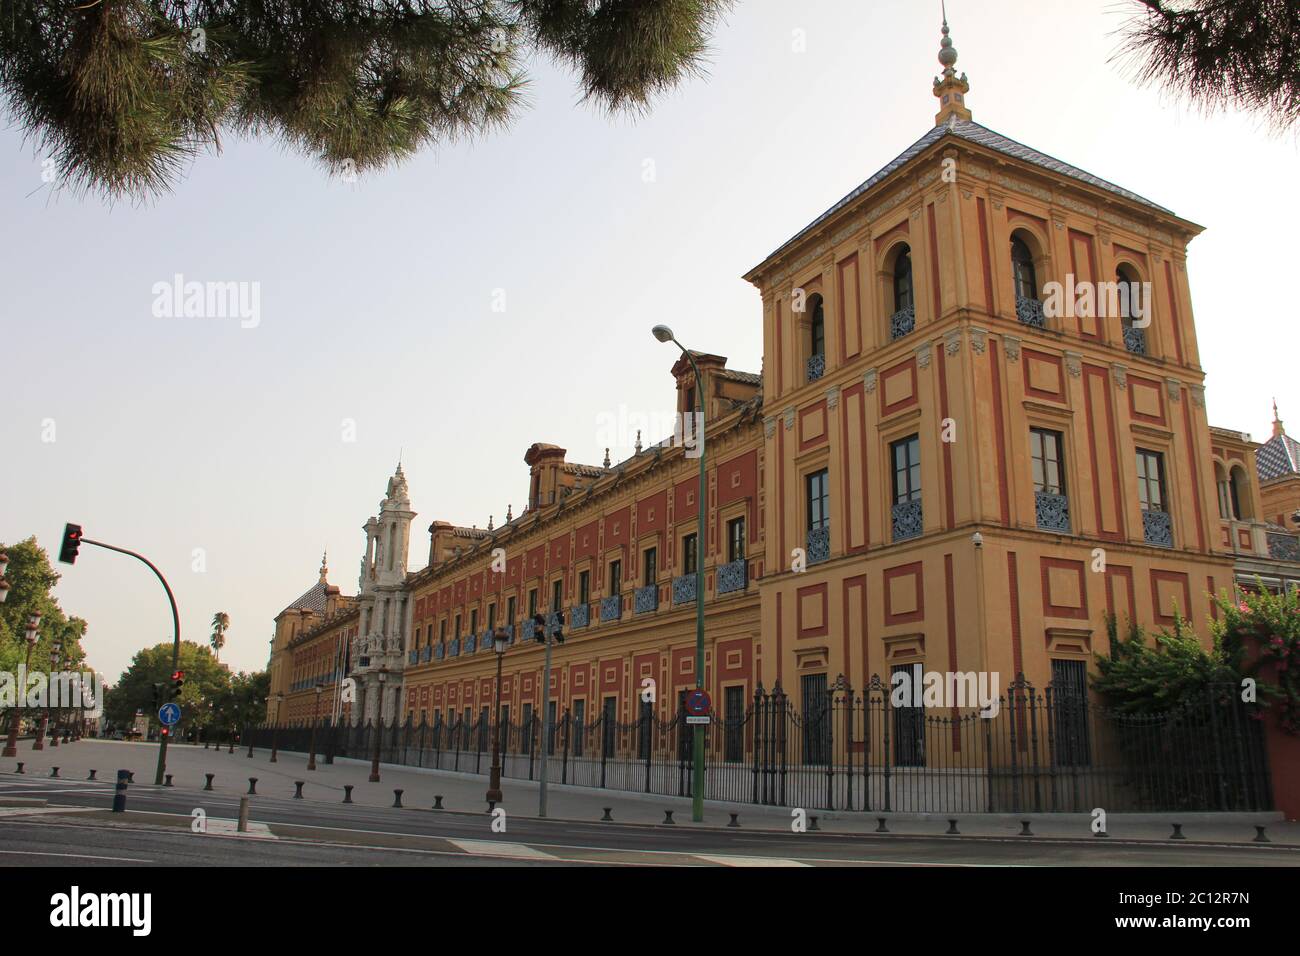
column 473, row 621
column 816, row 719
column 464, row 729
column 689, row 545
column 483, row 728
column 526, row 734
column 510, row 610
column 609, row 730
column 1151, row 480
column 1045, row 451
column 818, row 487
column 734, row 714
column 550, row 738
column 909, row 720
column 457, row 633
column 1070, row 720
column 645, row 730
column 579, row 728
column 532, row 602
column 735, row 539
column 615, row 577
column 650, row 566
column 584, row 587
column 492, row 617
column 690, row 399
column 557, row 594
column 442, row 631
column 906, row 456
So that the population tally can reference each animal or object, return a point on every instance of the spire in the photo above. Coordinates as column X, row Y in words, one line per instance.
column 638, row 441
column 510, row 513
column 951, row 89
column 606, row 457
column 324, row 567
column 490, row 522
column 1278, row 428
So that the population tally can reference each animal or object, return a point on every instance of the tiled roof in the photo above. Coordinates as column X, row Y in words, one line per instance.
column 585, row 471
column 313, row 600
column 1278, row 456
column 749, row 378
column 981, row 136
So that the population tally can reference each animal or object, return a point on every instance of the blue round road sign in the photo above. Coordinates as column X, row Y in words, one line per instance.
column 169, row 714
column 698, row 703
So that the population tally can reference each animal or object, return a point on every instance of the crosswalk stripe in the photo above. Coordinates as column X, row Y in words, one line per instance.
column 748, row 860
column 492, row 848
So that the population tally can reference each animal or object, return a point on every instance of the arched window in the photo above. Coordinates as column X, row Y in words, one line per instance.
column 816, row 363
column 903, row 319
column 1225, row 494
column 1132, row 306
column 1022, row 269
column 1029, row 309
column 1239, row 489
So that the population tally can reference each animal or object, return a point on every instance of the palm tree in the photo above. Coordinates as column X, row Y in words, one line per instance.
column 220, row 624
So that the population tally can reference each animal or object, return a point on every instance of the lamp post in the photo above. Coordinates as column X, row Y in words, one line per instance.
column 315, row 719
column 382, row 676
column 665, row 334
column 275, row 726
column 50, row 710
column 499, row 642
column 4, row 581
column 20, row 692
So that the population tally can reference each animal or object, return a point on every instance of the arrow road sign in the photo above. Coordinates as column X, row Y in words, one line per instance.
column 169, row 715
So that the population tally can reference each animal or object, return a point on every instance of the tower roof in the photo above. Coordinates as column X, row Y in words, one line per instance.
column 1280, row 455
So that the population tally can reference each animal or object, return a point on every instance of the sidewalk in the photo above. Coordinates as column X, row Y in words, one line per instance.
column 462, row 792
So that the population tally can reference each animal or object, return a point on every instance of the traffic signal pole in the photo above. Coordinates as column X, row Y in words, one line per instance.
column 176, row 641
column 547, row 729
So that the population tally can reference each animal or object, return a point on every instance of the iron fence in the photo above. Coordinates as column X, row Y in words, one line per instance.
column 1048, row 751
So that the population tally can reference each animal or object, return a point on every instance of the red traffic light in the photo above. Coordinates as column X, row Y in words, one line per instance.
column 71, row 542
column 178, row 675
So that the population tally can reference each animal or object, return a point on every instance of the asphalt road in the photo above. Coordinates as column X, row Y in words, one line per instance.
column 75, row 828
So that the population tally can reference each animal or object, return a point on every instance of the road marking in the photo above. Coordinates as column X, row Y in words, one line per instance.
column 748, row 860
column 217, row 827
column 491, row 848
column 37, row 811
column 77, row 856
column 41, row 793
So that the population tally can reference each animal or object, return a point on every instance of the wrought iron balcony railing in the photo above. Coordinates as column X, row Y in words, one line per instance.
column 647, row 599
column 611, row 607
column 902, row 322
column 1158, row 528
column 579, row 615
column 1052, row 512
column 1135, row 340
column 1283, row 546
column 735, row 575
column 485, row 641
column 819, row 545
column 453, row 649
column 816, row 367
column 907, row 520
column 1030, row 312
column 426, row 653
column 471, row 643
column 683, row 589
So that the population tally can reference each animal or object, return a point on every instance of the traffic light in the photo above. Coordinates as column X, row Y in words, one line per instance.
column 539, row 628
column 157, row 696
column 558, row 633
column 178, row 681
column 71, row 542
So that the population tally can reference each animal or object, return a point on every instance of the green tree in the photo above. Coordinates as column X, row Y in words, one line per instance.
column 1142, row 678
column 205, row 680
column 220, row 624
column 1264, row 629
column 1221, row 53
column 124, row 93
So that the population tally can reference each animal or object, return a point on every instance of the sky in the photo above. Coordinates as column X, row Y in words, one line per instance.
column 487, row 295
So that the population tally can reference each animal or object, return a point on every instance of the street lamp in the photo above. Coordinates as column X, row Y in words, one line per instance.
column 4, row 581
column 275, row 725
column 500, row 639
column 315, row 718
column 379, row 725
column 55, row 648
column 20, row 692
column 665, row 334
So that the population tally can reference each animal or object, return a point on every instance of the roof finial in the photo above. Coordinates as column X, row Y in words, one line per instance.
column 638, row 441
column 606, row 457
column 509, row 513
column 950, row 89
column 490, row 522
column 1278, row 428
column 324, row 567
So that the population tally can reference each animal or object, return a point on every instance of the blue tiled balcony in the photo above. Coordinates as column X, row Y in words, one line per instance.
column 816, row 367
column 683, row 589
column 611, row 608
column 735, row 576
column 579, row 616
column 819, row 545
column 647, row 599
column 1158, row 528
column 1052, row 512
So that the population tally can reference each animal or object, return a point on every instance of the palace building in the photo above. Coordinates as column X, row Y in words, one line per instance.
column 932, row 468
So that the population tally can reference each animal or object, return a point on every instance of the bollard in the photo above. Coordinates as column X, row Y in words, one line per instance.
column 243, row 814
column 20, row 768
column 207, row 745
column 952, row 827
column 252, row 786
column 168, row 782
column 1259, row 836
column 492, row 805
column 130, row 776
column 1101, row 833
column 668, row 818
column 1178, row 832
column 54, row 771
column 735, row 820
column 397, row 799
column 812, row 824
column 607, row 818
column 880, row 825
column 437, row 801
column 119, row 795
column 92, row 775
column 208, row 785
column 297, row 794
column 1024, row 828
column 347, row 793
